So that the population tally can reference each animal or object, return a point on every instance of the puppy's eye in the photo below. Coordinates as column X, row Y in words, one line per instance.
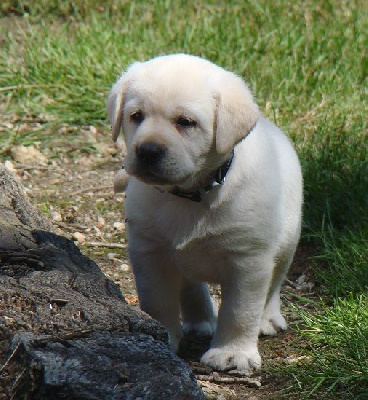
column 137, row 117
column 185, row 122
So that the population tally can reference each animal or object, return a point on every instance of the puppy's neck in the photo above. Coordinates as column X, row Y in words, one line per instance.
column 215, row 178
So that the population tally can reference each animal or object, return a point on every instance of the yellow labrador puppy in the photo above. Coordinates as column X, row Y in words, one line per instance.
column 215, row 195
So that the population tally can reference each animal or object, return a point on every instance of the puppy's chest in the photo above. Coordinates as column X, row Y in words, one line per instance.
column 202, row 248
column 203, row 233
column 196, row 246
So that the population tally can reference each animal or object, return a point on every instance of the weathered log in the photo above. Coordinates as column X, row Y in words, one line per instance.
column 65, row 330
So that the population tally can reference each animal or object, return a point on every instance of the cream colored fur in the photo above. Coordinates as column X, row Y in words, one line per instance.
column 243, row 234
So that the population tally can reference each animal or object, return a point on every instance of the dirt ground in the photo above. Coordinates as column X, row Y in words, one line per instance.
column 71, row 180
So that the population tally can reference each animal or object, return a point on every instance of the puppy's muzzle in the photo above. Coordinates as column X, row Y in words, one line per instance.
column 150, row 154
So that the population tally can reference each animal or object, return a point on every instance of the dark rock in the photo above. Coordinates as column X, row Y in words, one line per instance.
column 101, row 365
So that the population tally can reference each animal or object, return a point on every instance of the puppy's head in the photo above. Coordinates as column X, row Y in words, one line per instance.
column 181, row 116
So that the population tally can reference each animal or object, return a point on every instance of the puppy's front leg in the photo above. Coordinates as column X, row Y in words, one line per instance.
column 244, row 291
column 158, row 286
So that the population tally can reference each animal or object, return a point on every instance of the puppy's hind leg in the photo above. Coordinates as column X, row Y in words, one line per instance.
column 272, row 319
column 199, row 309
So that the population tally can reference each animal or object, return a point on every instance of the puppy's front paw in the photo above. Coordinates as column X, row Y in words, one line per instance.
column 225, row 359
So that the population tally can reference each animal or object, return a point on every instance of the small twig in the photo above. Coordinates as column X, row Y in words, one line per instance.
column 34, row 167
column 200, row 369
column 93, row 189
column 71, row 226
column 291, row 283
column 59, row 302
column 18, row 257
column 7, row 254
column 12, row 355
column 217, row 378
column 73, row 335
column 16, row 383
column 105, row 244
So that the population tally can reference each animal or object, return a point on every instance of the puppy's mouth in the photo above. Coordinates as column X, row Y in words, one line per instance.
column 150, row 177
column 156, row 175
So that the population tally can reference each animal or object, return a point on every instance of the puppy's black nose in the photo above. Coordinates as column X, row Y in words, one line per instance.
column 150, row 153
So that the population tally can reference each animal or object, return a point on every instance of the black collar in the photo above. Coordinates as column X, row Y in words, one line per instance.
column 217, row 178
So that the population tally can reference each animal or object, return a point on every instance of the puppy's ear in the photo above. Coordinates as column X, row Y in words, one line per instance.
column 236, row 112
column 115, row 104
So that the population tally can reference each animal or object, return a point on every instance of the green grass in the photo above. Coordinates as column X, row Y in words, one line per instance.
column 305, row 61
column 341, row 268
column 336, row 328
column 335, row 363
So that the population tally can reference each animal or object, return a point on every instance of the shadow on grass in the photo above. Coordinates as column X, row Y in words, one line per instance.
column 335, row 174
